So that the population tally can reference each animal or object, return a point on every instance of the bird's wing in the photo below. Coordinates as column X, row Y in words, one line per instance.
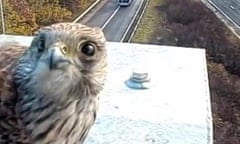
column 10, row 131
column 9, row 54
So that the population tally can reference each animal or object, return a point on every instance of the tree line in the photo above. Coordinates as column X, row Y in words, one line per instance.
column 24, row 17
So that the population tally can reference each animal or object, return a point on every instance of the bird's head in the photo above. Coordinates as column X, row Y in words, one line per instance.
column 64, row 54
column 70, row 45
column 58, row 80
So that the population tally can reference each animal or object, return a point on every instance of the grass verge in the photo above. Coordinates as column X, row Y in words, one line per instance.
column 148, row 22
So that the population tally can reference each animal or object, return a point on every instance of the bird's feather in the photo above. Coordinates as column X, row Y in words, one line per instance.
column 10, row 129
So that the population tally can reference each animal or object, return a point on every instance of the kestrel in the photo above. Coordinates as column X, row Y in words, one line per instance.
column 49, row 91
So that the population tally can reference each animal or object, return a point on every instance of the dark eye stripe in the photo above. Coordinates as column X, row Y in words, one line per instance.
column 41, row 42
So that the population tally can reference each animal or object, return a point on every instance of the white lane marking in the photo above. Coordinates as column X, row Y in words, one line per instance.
column 110, row 18
column 86, row 11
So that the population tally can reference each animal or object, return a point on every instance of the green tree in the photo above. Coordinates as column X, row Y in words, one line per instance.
column 17, row 20
column 83, row 4
column 76, row 6
column 49, row 11
column 26, row 16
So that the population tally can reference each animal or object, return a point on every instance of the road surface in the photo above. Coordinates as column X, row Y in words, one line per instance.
column 230, row 8
column 115, row 20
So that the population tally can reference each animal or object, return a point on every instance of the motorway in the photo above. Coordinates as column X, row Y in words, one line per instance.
column 115, row 20
column 230, row 8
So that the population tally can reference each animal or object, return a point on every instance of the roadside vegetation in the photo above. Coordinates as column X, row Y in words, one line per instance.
column 25, row 16
column 189, row 23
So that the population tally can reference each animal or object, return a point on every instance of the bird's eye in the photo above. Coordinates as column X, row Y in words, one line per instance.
column 41, row 44
column 88, row 49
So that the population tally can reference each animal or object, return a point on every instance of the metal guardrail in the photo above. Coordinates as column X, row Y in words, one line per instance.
column 134, row 23
column 223, row 13
column 235, row 30
column 136, row 26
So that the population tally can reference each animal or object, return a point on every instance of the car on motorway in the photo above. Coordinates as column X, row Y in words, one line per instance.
column 124, row 2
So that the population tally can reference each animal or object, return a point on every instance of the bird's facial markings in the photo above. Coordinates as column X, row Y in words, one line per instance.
column 60, row 45
column 60, row 55
column 64, row 49
column 41, row 42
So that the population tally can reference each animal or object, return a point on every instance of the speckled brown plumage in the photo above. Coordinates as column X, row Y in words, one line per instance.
column 49, row 90
column 10, row 129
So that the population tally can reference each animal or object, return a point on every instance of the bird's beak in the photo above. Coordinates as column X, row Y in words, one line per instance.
column 56, row 58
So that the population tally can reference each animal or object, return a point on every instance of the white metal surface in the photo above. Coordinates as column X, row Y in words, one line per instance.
column 175, row 110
